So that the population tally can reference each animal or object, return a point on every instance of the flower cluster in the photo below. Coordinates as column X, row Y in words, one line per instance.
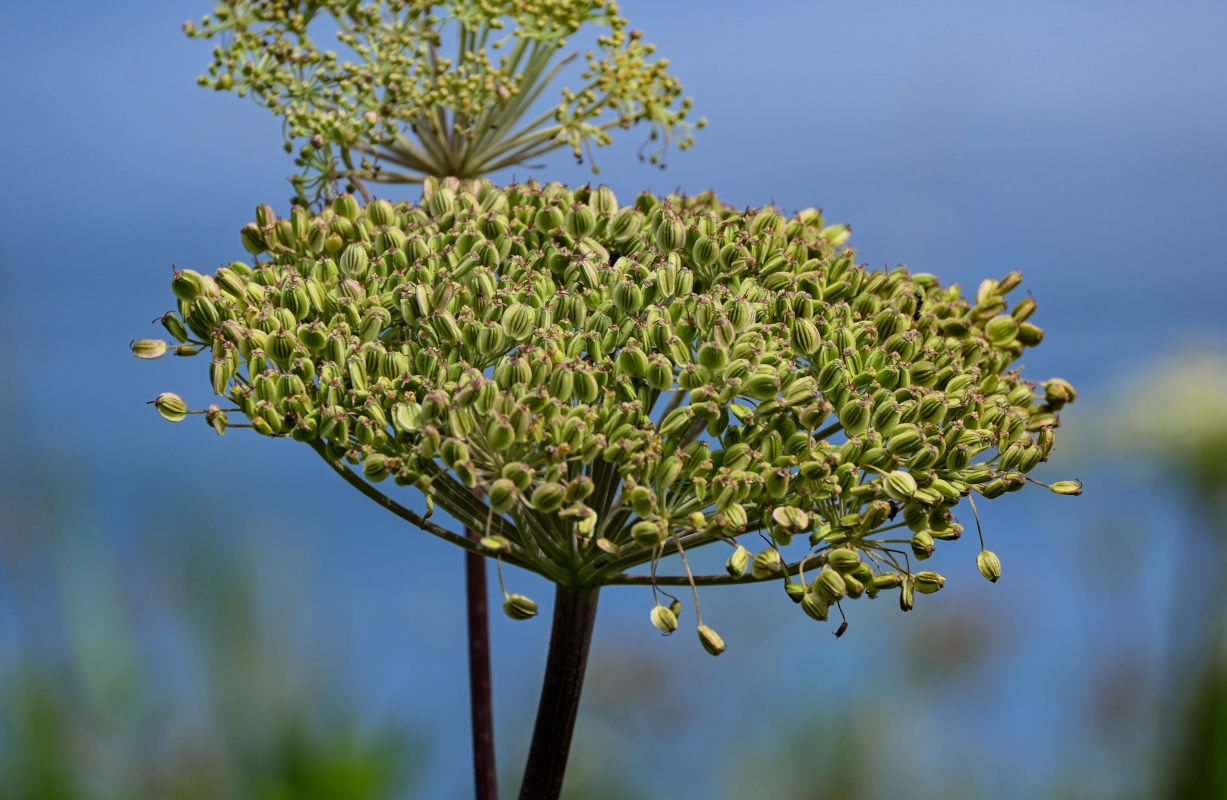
column 626, row 382
column 437, row 88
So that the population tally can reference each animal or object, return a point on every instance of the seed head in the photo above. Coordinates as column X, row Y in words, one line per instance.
column 617, row 392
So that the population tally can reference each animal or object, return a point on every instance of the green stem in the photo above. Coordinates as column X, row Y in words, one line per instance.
column 425, row 130
column 604, row 573
column 404, row 513
column 457, row 500
column 345, row 157
column 502, row 119
column 397, row 153
column 521, row 157
column 507, row 118
column 570, row 637
column 536, row 535
column 605, row 477
column 523, row 143
column 382, row 176
column 828, row 430
column 699, row 580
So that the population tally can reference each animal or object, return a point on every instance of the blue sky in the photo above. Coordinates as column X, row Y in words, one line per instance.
column 1084, row 143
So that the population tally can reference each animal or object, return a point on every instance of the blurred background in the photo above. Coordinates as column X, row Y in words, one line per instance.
column 183, row 616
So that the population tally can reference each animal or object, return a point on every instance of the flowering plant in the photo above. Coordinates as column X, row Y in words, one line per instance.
column 626, row 382
column 592, row 386
column 396, row 103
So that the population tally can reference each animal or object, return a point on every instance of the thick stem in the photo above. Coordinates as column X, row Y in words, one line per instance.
column 574, row 617
column 481, row 701
column 485, row 782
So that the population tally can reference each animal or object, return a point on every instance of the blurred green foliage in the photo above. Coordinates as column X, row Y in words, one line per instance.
column 157, row 668
column 1176, row 413
column 1170, row 427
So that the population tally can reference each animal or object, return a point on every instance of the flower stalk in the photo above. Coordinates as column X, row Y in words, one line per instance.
column 570, row 638
column 481, row 690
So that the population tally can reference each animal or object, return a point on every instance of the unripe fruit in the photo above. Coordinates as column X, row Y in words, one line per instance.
column 502, row 495
column 929, row 582
column 253, row 239
column 843, row 560
column 633, row 362
column 148, row 348
column 580, row 222
column 442, row 202
column 899, row 485
column 186, row 284
column 805, row 337
column 549, row 218
column 647, row 534
column 346, row 206
column 519, row 321
column 603, row 201
column 664, row 619
column 705, row 251
column 814, row 606
column 989, row 565
column 625, row 224
column 790, row 519
column 670, row 235
column 907, row 594
column 829, row 585
column 519, row 607
column 711, row 640
column 738, row 562
column 548, row 497
column 1001, row 329
column 171, row 406
column 766, row 563
column 854, row 415
column 922, row 544
column 354, row 261
column 375, row 467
